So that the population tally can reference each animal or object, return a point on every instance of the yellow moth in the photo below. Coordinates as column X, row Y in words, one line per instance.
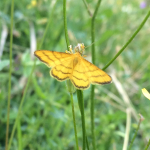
column 73, row 66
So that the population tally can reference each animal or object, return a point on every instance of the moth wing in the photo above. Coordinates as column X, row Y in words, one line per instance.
column 52, row 58
column 95, row 74
column 79, row 78
column 62, row 71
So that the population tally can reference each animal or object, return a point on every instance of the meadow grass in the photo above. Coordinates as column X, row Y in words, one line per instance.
column 44, row 121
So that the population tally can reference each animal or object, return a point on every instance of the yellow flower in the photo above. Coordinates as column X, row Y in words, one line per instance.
column 146, row 93
column 32, row 4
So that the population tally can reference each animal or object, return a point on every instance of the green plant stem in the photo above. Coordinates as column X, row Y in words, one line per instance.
column 20, row 107
column 135, row 134
column 10, row 72
column 93, row 61
column 87, row 144
column 78, row 91
column 86, row 6
column 67, row 42
column 128, row 124
column 25, row 90
column 74, row 121
column 130, row 40
column 65, row 23
column 148, row 144
column 19, row 134
column 92, row 116
column 81, row 105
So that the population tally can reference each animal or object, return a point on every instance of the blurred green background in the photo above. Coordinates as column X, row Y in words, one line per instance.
column 46, row 118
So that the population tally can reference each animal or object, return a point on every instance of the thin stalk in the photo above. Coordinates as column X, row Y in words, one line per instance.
column 129, row 41
column 93, row 61
column 87, row 8
column 10, row 72
column 87, row 143
column 78, row 91
column 92, row 116
column 128, row 124
column 81, row 105
column 148, row 144
column 19, row 134
column 65, row 23
column 67, row 42
column 135, row 134
column 74, row 121
column 26, row 88
column 20, row 106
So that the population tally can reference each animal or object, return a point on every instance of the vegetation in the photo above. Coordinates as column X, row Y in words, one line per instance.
column 45, row 117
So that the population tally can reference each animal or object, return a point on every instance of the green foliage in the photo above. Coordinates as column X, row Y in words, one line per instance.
column 46, row 117
column 3, row 64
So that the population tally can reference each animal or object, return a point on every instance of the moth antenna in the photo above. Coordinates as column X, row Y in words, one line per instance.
column 89, row 45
